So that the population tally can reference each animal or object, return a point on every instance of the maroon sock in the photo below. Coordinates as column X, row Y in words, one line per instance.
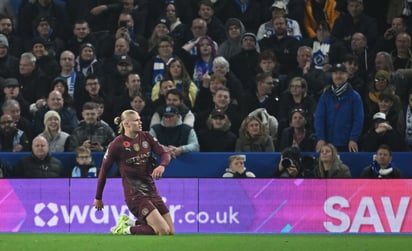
column 142, row 229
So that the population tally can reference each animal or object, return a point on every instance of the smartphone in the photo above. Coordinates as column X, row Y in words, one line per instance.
column 123, row 23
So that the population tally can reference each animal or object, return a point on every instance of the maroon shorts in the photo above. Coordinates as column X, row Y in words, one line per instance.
column 142, row 206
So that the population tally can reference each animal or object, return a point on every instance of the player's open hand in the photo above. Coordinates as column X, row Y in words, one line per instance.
column 98, row 204
column 158, row 172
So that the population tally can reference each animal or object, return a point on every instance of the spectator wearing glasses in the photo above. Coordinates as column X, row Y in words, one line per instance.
column 381, row 83
column 261, row 97
column 296, row 97
column 85, row 167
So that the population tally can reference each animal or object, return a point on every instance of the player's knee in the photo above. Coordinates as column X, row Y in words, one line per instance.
column 164, row 230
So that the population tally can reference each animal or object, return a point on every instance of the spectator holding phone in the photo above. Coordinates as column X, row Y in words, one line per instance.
column 91, row 132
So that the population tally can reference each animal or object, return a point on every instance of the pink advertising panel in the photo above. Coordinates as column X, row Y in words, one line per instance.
column 216, row 205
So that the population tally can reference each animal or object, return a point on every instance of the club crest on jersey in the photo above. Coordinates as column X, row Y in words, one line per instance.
column 145, row 144
column 136, row 147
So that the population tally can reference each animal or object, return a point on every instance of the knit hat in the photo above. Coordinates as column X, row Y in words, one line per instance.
column 4, row 42
column 162, row 20
column 51, row 114
column 233, row 21
column 249, row 34
column 381, row 74
column 88, row 45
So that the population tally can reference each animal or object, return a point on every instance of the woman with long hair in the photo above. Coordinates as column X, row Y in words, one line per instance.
column 329, row 165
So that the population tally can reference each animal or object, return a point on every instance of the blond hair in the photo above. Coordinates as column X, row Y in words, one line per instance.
column 119, row 119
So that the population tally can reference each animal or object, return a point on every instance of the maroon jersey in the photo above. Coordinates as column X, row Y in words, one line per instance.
column 133, row 158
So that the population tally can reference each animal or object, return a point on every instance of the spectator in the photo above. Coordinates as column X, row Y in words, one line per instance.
column 318, row 11
column 221, row 99
column 32, row 11
column 75, row 82
column 56, row 138
column 253, row 137
column 402, row 54
column 60, row 84
column 176, row 71
column 85, row 167
column 215, row 27
column 11, row 138
column 126, row 29
column 44, row 30
column 40, row 164
column 290, row 165
column 218, row 136
column 284, row 46
column 267, row 62
column 231, row 46
column 237, row 168
column 243, row 64
column 179, row 138
column 87, row 62
column 123, row 68
column 94, row 92
column 329, row 165
column 247, row 11
column 201, row 64
column 12, row 107
column 164, row 86
column 155, row 67
column 359, row 47
column 387, row 41
column 389, row 104
column 11, row 90
column 296, row 97
column 355, row 21
column 55, row 102
column 316, row 79
column 352, row 66
column 9, row 65
column 382, row 166
column 298, row 134
column 174, row 98
column 7, row 28
column 198, row 29
column 178, row 28
column 35, row 85
column 91, row 133
column 339, row 115
column 81, row 35
column 131, row 86
column 381, row 83
column 326, row 49
column 267, row 30
column 262, row 97
column 160, row 29
column 45, row 62
column 381, row 133
column 142, row 105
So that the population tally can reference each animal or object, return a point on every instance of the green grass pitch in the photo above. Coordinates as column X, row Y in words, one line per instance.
column 207, row 242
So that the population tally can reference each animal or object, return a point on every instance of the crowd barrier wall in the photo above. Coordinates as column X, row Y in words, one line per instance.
column 212, row 165
column 215, row 205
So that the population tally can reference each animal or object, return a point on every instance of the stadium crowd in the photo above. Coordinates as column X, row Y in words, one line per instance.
column 207, row 75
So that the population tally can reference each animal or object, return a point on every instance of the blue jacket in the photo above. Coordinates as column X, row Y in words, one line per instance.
column 339, row 119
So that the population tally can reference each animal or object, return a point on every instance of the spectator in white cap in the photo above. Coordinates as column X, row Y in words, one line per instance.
column 380, row 133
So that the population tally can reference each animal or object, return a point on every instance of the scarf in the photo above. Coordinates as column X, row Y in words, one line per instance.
column 201, row 67
column 159, row 69
column 320, row 53
column 378, row 172
column 338, row 91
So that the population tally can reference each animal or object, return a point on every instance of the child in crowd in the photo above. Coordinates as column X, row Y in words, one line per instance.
column 237, row 168
column 85, row 167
